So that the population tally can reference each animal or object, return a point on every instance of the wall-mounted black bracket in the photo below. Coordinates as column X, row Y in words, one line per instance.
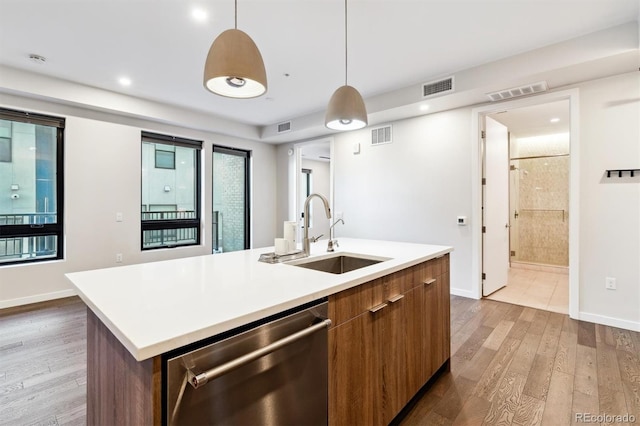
column 620, row 172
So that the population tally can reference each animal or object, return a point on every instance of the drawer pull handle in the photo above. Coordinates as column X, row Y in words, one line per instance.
column 429, row 281
column 395, row 298
column 377, row 308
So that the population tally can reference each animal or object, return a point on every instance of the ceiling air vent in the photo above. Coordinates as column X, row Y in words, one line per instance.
column 381, row 135
column 437, row 87
column 516, row 92
column 284, row 127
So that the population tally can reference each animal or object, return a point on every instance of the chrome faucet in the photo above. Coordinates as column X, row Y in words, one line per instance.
column 333, row 242
column 306, row 246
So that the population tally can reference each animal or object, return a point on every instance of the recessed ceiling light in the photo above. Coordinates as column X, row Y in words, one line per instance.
column 199, row 15
column 424, row 107
column 125, row 81
column 554, row 120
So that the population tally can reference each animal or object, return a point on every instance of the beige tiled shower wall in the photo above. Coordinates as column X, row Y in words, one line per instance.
column 542, row 200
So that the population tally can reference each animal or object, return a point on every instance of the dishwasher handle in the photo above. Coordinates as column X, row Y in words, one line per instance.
column 203, row 378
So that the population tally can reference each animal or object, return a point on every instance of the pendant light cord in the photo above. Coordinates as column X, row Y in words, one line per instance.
column 236, row 14
column 345, row 43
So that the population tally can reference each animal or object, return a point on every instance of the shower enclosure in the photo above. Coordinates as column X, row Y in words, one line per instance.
column 539, row 200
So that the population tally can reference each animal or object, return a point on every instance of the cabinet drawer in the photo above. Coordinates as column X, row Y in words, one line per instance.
column 424, row 273
column 350, row 303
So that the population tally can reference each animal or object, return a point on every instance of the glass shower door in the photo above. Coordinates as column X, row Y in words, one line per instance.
column 539, row 203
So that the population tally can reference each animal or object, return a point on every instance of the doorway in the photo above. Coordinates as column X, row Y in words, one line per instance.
column 231, row 214
column 314, row 174
column 538, row 166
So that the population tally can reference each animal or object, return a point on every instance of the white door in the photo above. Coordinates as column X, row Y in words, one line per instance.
column 495, row 239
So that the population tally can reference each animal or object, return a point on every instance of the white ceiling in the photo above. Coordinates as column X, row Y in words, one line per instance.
column 537, row 120
column 393, row 44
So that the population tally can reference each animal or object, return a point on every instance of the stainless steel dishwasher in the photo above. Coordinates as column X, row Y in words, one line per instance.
column 274, row 373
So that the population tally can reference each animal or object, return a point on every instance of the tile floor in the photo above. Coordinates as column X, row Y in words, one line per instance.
column 538, row 289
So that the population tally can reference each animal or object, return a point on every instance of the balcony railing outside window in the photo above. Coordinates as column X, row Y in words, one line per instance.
column 28, row 247
column 169, row 237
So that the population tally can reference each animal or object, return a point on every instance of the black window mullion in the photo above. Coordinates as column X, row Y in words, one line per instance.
column 20, row 231
column 156, row 225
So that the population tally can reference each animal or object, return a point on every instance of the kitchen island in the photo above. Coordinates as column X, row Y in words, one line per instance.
column 138, row 313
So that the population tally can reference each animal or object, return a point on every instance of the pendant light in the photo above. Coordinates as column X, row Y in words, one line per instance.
column 234, row 66
column 346, row 110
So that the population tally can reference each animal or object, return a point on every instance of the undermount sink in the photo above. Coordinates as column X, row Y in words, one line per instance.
column 339, row 264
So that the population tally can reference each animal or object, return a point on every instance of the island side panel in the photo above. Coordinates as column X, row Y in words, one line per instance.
column 120, row 389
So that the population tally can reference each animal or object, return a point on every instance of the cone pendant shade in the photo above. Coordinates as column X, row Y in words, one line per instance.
column 346, row 110
column 234, row 66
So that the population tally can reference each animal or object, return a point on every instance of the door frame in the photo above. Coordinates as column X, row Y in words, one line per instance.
column 295, row 182
column 477, row 117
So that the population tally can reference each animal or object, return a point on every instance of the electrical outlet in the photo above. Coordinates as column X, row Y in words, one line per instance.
column 610, row 283
column 118, row 257
column 119, row 217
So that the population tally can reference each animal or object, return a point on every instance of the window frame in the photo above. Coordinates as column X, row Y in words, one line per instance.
column 174, row 224
column 41, row 229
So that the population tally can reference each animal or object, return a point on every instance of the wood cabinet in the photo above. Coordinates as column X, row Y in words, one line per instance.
column 388, row 337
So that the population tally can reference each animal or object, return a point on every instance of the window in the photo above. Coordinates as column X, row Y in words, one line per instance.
column 165, row 159
column 5, row 150
column 170, row 208
column 31, row 201
column 231, row 215
column 306, row 190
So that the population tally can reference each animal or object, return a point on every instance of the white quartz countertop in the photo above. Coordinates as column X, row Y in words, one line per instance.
column 153, row 308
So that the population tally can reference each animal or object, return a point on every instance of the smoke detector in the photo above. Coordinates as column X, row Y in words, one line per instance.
column 37, row 58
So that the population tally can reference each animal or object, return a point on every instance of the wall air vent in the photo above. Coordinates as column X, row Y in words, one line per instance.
column 515, row 92
column 284, row 127
column 438, row 87
column 381, row 135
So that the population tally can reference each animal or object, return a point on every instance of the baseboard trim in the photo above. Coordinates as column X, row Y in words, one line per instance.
column 610, row 321
column 37, row 298
column 464, row 293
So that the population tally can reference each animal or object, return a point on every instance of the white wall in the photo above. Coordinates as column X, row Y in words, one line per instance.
column 102, row 177
column 610, row 208
column 413, row 189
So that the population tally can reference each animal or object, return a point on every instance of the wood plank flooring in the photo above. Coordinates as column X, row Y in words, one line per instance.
column 43, row 364
column 510, row 365
column 515, row 365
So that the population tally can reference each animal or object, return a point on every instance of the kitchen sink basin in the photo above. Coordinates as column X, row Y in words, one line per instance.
column 338, row 264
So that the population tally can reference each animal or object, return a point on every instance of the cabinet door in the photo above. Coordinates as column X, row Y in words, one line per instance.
column 355, row 387
column 392, row 344
column 437, row 306
column 417, row 348
column 445, row 298
column 432, row 327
